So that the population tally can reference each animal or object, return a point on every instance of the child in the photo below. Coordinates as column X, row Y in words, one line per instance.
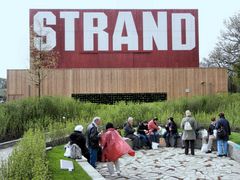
column 113, row 148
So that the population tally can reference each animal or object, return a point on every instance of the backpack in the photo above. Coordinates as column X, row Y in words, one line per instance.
column 187, row 126
column 75, row 152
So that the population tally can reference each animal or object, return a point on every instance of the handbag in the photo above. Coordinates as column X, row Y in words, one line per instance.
column 221, row 133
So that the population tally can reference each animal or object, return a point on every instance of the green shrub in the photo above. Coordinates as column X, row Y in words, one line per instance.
column 28, row 159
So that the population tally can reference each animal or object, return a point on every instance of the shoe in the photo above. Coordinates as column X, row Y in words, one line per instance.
column 209, row 151
column 220, row 155
column 118, row 173
column 225, row 155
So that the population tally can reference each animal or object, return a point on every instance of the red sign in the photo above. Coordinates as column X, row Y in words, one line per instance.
column 118, row 38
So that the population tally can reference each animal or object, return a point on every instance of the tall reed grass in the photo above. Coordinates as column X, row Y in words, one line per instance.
column 61, row 114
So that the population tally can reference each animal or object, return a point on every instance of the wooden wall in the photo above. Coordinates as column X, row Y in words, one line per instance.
column 176, row 82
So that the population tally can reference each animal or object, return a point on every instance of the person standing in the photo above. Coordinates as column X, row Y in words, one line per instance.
column 77, row 137
column 93, row 136
column 211, row 136
column 223, row 126
column 189, row 126
column 113, row 148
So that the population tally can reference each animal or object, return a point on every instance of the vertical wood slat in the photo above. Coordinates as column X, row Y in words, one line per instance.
column 173, row 81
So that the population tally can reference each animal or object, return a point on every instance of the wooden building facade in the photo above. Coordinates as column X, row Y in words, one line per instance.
column 174, row 82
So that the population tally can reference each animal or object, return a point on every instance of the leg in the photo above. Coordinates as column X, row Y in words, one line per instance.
column 93, row 156
column 110, row 167
column 175, row 140
column 192, row 146
column 219, row 147
column 225, row 148
column 210, row 141
column 167, row 136
column 117, row 165
column 186, row 142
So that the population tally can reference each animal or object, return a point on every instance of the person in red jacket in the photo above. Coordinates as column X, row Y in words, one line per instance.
column 153, row 130
column 113, row 148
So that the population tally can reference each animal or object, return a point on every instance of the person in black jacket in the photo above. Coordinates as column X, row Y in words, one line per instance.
column 93, row 137
column 142, row 132
column 211, row 136
column 222, row 145
column 77, row 137
column 171, row 131
column 129, row 133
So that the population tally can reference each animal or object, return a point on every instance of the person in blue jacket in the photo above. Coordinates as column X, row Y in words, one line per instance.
column 223, row 132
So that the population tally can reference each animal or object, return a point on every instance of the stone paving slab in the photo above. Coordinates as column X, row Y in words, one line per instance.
column 173, row 164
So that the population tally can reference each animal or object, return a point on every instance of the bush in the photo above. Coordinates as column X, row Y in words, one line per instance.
column 28, row 159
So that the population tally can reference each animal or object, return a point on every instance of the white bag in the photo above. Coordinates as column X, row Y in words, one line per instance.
column 67, row 151
column 155, row 145
column 204, row 147
column 204, row 133
column 187, row 126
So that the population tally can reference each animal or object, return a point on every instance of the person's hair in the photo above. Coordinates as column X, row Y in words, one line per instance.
column 130, row 119
column 213, row 119
column 221, row 114
column 188, row 113
column 95, row 119
column 155, row 118
column 109, row 125
column 171, row 119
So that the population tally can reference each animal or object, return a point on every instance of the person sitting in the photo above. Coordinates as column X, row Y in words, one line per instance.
column 110, row 142
column 142, row 132
column 78, row 138
column 171, row 131
column 129, row 133
column 153, row 130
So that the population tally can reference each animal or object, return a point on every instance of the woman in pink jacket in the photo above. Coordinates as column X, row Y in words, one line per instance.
column 153, row 130
column 113, row 148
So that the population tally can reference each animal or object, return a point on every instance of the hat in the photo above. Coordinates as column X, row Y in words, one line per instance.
column 188, row 113
column 78, row 128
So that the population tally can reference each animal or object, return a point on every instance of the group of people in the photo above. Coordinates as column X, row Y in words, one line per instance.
column 109, row 141
column 218, row 129
column 147, row 132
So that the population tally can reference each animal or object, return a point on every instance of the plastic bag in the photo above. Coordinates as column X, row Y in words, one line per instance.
column 155, row 145
column 204, row 147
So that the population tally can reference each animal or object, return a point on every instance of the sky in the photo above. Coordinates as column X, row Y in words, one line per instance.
column 14, row 29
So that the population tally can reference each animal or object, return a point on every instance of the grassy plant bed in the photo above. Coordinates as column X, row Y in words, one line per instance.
column 56, row 173
column 235, row 137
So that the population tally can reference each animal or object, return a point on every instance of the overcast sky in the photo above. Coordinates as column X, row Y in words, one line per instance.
column 14, row 16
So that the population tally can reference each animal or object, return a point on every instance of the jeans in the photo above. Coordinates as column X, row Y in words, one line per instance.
column 93, row 156
column 145, row 140
column 154, row 137
column 222, row 147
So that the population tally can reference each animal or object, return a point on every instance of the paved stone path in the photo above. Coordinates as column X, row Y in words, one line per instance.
column 173, row 164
